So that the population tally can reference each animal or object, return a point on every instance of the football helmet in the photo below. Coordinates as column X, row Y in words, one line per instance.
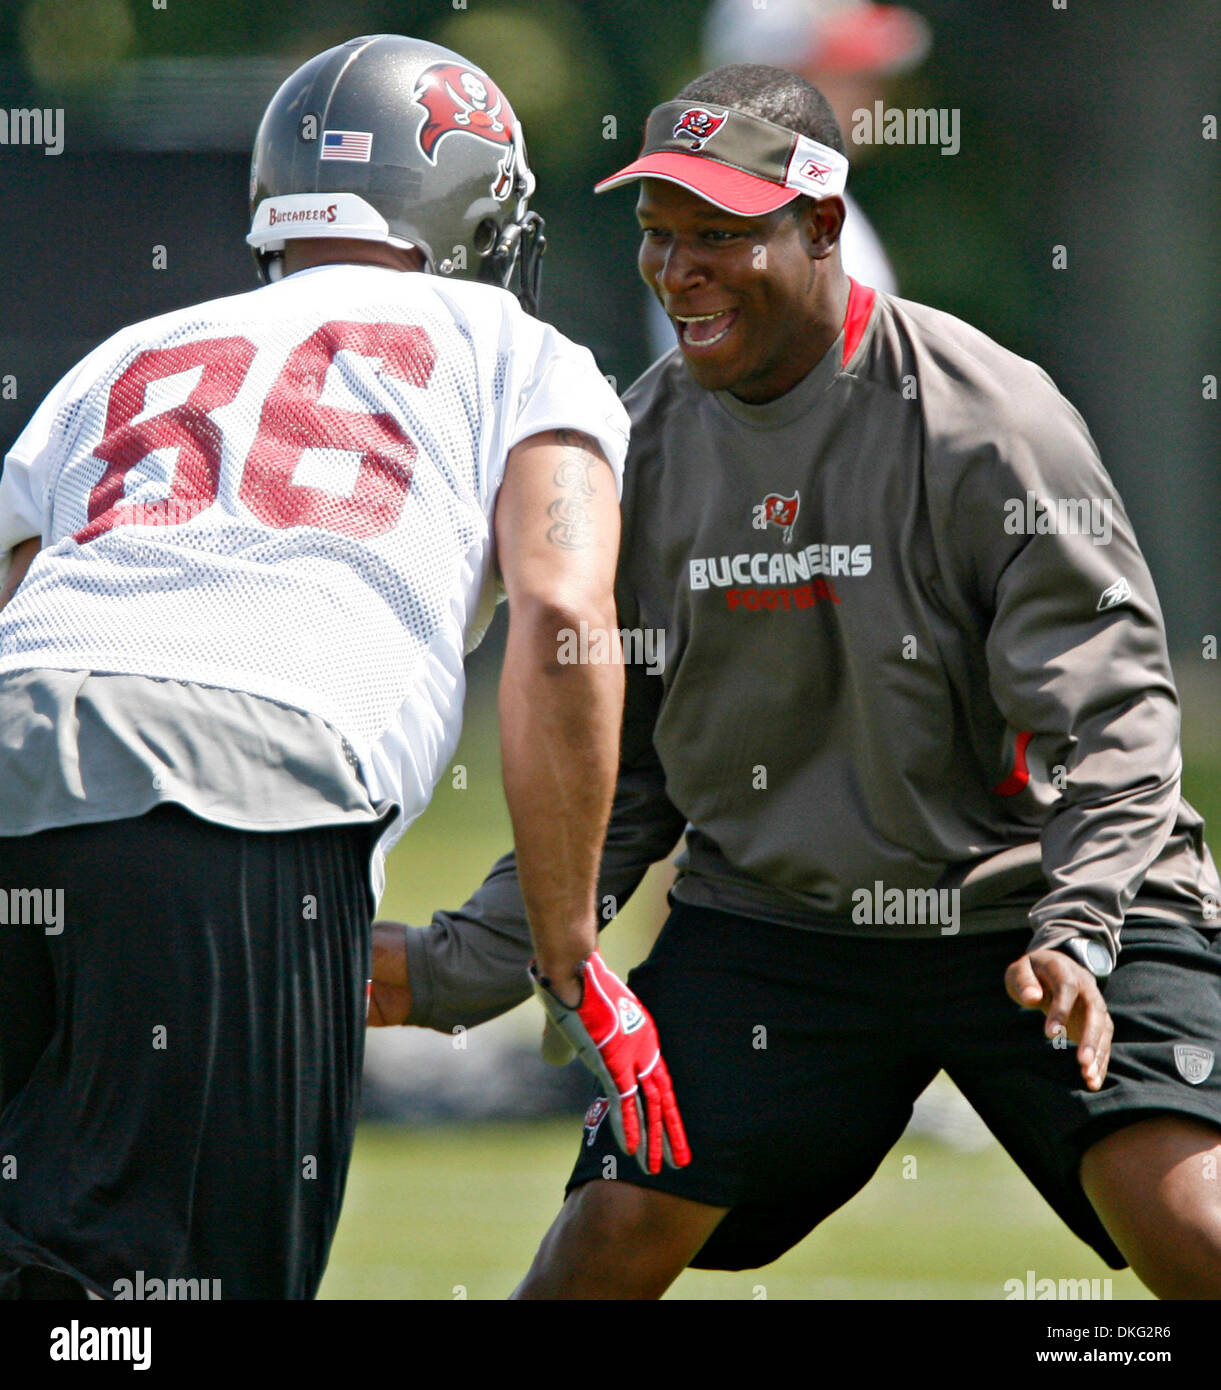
column 392, row 139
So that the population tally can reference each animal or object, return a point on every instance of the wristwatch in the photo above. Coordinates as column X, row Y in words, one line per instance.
column 1090, row 952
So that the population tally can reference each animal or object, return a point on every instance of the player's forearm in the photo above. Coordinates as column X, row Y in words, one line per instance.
column 560, row 753
column 469, row 964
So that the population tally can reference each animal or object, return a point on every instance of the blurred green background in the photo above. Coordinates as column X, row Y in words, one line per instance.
column 1082, row 127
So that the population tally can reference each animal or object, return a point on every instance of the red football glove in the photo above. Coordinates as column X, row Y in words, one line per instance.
column 612, row 1033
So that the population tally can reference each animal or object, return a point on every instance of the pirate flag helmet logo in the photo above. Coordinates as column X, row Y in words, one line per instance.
column 460, row 101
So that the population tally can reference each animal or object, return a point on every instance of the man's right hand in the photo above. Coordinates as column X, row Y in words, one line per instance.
column 390, row 998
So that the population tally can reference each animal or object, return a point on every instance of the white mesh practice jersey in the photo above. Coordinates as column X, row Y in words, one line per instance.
column 289, row 492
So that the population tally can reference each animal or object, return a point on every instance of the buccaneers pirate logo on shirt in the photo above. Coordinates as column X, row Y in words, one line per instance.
column 777, row 510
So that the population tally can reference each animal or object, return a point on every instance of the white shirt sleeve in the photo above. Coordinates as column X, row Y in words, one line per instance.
column 38, row 448
column 23, row 482
column 567, row 391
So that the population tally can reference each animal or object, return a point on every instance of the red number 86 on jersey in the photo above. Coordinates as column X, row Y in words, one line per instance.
column 292, row 420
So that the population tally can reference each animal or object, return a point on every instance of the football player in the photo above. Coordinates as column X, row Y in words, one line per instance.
column 918, row 725
column 249, row 542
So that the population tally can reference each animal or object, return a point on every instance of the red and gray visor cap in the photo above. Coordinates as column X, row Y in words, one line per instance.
column 742, row 164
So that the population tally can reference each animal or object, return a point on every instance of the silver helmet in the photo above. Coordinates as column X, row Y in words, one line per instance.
column 391, row 139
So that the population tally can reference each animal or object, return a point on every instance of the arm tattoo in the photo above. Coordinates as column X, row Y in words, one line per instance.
column 572, row 524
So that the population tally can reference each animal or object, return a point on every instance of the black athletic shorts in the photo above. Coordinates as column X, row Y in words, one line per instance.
column 180, row 1063
column 796, row 1057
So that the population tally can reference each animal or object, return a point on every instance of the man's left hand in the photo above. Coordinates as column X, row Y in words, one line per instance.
column 1069, row 995
column 612, row 1032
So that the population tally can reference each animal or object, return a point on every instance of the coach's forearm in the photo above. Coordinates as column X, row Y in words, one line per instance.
column 559, row 728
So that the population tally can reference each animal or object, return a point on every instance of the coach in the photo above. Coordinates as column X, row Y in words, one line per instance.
column 890, row 672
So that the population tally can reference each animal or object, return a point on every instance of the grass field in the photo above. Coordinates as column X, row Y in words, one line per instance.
column 433, row 1212
column 429, row 1211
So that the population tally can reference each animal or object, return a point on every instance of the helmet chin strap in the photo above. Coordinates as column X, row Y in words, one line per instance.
column 533, row 244
column 521, row 244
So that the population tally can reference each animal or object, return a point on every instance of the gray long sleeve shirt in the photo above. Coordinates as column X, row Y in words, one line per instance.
column 910, row 644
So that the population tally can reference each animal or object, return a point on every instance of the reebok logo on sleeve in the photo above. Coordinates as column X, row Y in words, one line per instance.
column 1114, row 595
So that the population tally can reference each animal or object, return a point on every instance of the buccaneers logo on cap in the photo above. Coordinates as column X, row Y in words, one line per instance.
column 459, row 101
column 698, row 125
